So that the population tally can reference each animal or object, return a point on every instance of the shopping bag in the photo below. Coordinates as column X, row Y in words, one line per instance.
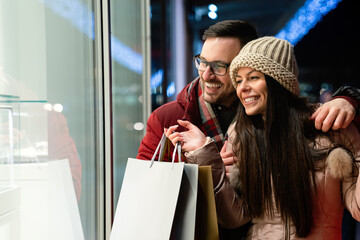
column 157, row 200
column 206, row 218
column 185, row 214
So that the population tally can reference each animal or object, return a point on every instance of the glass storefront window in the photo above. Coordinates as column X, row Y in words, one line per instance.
column 130, row 82
column 47, row 62
column 57, row 94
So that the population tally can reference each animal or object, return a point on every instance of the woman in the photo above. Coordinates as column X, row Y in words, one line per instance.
column 290, row 180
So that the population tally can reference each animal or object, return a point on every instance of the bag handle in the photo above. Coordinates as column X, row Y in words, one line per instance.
column 161, row 147
column 178, row 150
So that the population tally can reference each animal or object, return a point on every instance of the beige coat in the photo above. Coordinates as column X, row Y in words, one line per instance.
column 334, row 189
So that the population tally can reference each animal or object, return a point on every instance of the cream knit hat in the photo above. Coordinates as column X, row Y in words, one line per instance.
column 271, row 56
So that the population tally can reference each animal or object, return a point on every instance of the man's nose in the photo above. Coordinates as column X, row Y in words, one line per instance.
column 208, row 74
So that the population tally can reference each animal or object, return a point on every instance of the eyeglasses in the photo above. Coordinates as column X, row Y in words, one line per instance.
column 217, row 68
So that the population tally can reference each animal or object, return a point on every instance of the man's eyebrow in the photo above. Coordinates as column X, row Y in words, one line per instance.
column 216, row 61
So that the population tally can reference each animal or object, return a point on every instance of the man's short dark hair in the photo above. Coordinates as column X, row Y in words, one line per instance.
column 242, row 30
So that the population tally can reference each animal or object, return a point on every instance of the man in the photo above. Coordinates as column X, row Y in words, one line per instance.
column 212, row 107
column 210, row 101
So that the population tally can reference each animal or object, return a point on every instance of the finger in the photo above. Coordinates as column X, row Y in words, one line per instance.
column 228, row 161
column 329, row 120
column 173, row 128
column 175, row 135
column 227, row 170
column 176, row 138
column 185, row 124
column 167, row 132
column 319, row 119
column 339, row 121
column 223, row 149
column 227, row 154
column 170, row 130
column 314, row 115
column 349, row 118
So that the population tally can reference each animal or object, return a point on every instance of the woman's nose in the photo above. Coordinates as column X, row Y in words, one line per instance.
column 242, row 87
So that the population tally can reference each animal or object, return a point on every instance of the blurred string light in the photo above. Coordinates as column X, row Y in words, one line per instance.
column 57, row 107
column 83, row 19
column 305, row 19
column 139, row 126
column 212, row 7
column 156, row 79
column 212, row 11
column 170, row 91
column 126, row 56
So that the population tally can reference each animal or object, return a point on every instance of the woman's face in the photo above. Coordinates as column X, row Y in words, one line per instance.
column 252, row 90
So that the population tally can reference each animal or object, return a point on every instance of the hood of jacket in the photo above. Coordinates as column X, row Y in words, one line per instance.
column 188, row 99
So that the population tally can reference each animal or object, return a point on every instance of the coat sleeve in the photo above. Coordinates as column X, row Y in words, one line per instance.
column 154, row 131
column 229, row 208
column 351, row 184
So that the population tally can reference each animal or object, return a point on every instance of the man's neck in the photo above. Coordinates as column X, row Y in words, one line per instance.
column 225, row 115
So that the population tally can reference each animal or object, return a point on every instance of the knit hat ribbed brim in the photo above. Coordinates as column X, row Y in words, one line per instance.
column 271, row 56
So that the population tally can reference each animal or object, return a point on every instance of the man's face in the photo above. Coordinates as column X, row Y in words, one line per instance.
column 219, row 89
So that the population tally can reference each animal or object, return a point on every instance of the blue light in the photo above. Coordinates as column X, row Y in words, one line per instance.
column 83, row 19
column 212, row 15
column 76, row 12
column 212, row 8
column 170, row 90
column 305, row 19
column 126, row 56
column 156, row 79
column 212, row 11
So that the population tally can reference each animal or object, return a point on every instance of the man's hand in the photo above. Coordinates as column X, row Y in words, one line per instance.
column 228, row 158
column 335, row 114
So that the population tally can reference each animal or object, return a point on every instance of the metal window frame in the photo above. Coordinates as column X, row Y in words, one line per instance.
column 104, row 142
column 103, row 119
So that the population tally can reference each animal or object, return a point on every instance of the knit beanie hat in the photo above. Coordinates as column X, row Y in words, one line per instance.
column 271, row 56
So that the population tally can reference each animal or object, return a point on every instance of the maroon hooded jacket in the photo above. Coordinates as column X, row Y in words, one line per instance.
column 185, row 107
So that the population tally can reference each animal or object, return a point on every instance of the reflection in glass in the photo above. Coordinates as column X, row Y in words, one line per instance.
column 128, row 101
column 47, row 58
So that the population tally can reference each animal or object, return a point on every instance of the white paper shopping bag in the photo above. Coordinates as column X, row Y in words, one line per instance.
column 147, row 201
column 157, row 200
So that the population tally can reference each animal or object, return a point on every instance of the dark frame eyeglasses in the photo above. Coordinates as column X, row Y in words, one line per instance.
column 217, row 68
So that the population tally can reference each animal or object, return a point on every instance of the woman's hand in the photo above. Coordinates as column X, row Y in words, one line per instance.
column 227, row 157
column 190, row 140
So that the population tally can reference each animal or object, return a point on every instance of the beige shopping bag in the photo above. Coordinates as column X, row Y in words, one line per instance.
column 206, row 218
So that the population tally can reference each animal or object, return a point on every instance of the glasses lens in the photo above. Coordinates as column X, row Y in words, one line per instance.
column 216, row 68
column 199, row 64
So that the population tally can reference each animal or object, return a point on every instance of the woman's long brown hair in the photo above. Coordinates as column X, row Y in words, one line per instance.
column 275, row 157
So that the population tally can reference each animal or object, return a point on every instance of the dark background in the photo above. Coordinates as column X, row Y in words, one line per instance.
column 327, row 56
